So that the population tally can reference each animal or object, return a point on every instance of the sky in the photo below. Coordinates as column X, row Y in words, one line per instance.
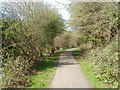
column 60, row 5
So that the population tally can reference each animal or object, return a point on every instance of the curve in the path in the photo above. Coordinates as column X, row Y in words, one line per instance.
column 69, row 74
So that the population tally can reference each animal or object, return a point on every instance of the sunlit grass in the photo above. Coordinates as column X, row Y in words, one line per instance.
column 91, row 76
column 45, row 71
column 88, row 71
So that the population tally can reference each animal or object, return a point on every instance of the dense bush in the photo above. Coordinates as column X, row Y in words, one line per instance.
column 105, row 63
column 96, row 21
column 28, row 33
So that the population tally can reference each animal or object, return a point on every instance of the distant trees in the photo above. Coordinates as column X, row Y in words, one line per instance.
column 28, row 33
column 68, row 39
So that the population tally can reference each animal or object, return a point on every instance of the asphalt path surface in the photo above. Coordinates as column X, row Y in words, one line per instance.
column 69, row 73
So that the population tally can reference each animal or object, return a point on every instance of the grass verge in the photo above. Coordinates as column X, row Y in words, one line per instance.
column 88, row 70
column 45, row 71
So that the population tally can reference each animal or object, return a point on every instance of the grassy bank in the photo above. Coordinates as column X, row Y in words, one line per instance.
column 45, row 71
column 88, row 70
column 100, row 65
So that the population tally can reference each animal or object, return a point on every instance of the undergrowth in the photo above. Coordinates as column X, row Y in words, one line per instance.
column 100, row 65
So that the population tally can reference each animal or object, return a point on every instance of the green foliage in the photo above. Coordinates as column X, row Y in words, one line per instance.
column 97, row 21
column 100, row 66
column 88, row 70
column 28, row 31
column 107, row 61
column 92, row 38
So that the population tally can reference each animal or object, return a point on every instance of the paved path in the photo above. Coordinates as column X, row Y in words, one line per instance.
column 69, row 74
